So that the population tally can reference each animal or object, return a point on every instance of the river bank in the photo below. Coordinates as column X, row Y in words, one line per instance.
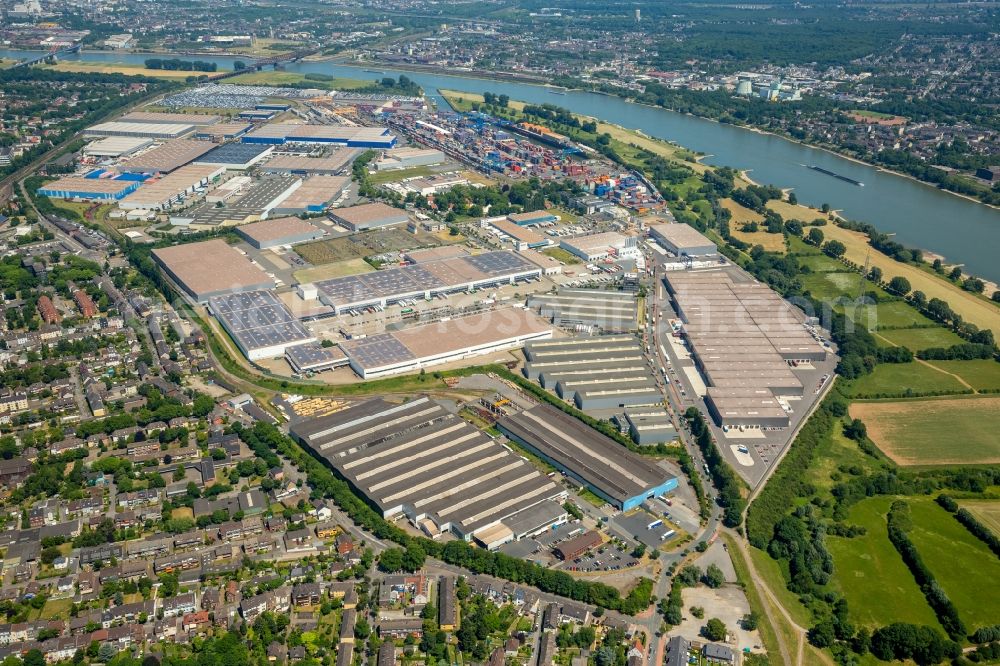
column 892, row 204
column 434, row 69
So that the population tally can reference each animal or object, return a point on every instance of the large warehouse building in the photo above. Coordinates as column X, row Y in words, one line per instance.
column 407, row 158
column 210, row 268
column 141, row 130
column 594, row 247
column 259, row 323
column 93, row 189
column 235, row 156
column 369, row 216
column 589, row 309
column 420, row 461
column 166, row 157
column 621, row 477
column 746, row 341
column 594, row 373
column 116, row 146
column 352, row 136
column 427, row 345
column 425, row 280
column 301, row 165
column 279, row 231
column 314, row 195
column 170, row 190
column 157, row 117
column 682, row 240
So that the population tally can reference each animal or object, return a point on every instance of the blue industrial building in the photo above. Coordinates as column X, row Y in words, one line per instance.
column 95, row 189
column 351, row 136
column 606, row 467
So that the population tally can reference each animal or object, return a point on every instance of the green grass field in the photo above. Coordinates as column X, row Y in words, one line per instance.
column 963, row 565
column 986, row 511
column 871, row 575
column 279, row 78
column 981, row 374
column 916, row 339
column 935, row 431
column 898, row 314
column 397, row 175
column 896, row 379
column 562, row 255
column 820, row 263
column 828, row 285
column 834, row 452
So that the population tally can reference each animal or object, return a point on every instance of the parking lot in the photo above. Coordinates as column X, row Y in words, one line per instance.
column 609, row 557
column 643, row 527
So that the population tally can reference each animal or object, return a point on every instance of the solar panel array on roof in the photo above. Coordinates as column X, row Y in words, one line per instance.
column 260, row 324
column 393, row 284
column 314, row 357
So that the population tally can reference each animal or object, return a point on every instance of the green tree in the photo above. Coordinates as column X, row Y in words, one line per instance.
column 899, row 285
column 714, row 630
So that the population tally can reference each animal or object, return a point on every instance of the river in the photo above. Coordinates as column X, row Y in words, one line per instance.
column 919, row 215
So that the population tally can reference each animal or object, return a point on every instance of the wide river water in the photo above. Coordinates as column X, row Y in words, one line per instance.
column 920, row 215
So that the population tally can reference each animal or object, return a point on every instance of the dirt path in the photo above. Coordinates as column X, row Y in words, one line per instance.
column 771, row 604
column 934, row 367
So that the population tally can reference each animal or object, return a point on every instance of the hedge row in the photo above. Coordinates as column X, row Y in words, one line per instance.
column 899, row 524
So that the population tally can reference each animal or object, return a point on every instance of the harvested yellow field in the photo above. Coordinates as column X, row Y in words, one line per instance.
column 986, row 511
column 121, row 68
column 742, row 215
column 975, row 309
column 979, row 311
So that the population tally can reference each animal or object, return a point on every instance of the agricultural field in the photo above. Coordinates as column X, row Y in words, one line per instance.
column 770, row 242
column 916, row 339
column 901, row 379
column 871, row 575
column 899, row 314
column 972, row 307
column 986, row 511
column 963, row 565
column 980, row 374
column 939, row 431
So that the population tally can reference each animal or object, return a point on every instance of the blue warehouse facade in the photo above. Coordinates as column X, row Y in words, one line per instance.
column 94, row 189
column 352, row 137
column 622, row 478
